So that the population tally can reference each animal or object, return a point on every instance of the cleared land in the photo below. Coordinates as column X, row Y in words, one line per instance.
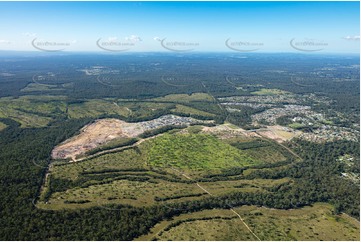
column 195, row 152
column 185, row 97
column 105, row 130
column 191, row 111
column 278, row 133
column 185, row 165
column 309, row 223
column 93, row 135
column 153, row 172
column 266, row 91
column 135, row 193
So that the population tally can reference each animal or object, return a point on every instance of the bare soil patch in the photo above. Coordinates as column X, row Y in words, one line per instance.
column 104, row 130
column 92, row 136
column 278, row 133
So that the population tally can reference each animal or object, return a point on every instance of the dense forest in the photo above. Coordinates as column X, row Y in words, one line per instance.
column 133, row 76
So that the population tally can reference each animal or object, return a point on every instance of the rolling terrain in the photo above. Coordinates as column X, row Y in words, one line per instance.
column 195, row 151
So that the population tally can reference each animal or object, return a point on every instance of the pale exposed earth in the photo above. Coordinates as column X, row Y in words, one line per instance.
column 103, row 131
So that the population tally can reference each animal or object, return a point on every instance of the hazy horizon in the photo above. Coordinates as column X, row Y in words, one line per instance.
column 273, row 27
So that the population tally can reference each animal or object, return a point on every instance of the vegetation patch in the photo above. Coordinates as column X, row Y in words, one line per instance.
column 123, row 191
column 33, row 111
column 195, row 152
column 116, row 143
column 207, row 228
column 183, row 98
column 36, row 87
column 309, row 223
column 2, row 126
column 96, row 108
column 266, row 91
column 297, row 125
column 182, row 109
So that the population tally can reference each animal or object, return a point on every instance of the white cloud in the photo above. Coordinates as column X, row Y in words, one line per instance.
column 3, row 41
column 356, row 37
column 28, row 34
column 111, row 39
column 133, row 38
column 157, row 39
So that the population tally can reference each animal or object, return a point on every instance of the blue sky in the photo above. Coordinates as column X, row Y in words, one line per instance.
column 199, row 26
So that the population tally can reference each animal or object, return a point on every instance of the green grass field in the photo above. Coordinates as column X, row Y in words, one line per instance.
column 309, row 223
column 195, row 152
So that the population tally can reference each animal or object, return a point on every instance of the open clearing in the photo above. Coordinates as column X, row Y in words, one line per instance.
column 278, row 133
column 196, row 152
column 309, row 223
column 191, row 111
column 105, row 130
column 266, row 92
column 185, row 97
column 93, row 135
column 179, row 166
column 227, row 131
column 152, row 172
column 135, row 193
